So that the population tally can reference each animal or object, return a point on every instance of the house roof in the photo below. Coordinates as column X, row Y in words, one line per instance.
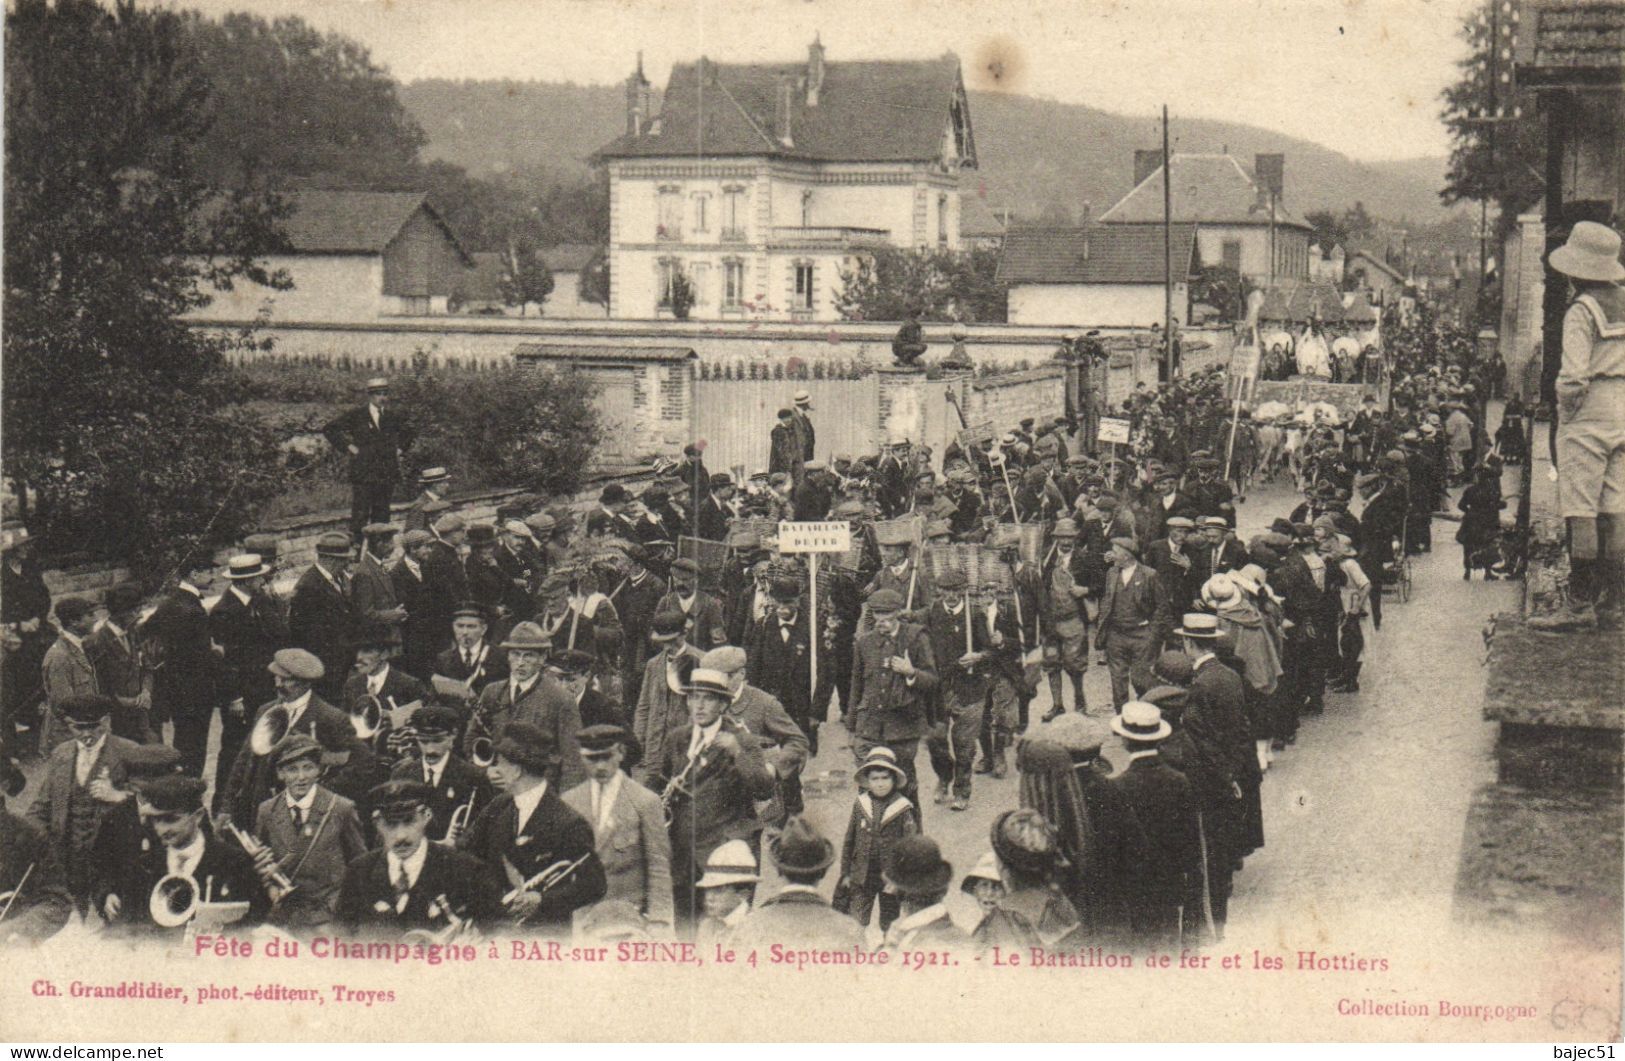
column 867, row 112
column 1098, row 254
column 1570, row 43
column 1208, row 189
column 1301, row 300
column 979, row 218
column 355, row 222
column 1377, row 263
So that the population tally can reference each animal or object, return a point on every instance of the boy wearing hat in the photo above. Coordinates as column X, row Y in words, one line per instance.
column 728, row 886
column 67, row 671
column 662, row 707
column 247, row 623
column 528, row 829
column 919, row 876
column 376, row 437
column 408, row 883
column 531, row 696
column 894, row 678
column 433, row 484
column 963, row 641
column 171, row 806
column 706, row 627
column 798, row 914
column 881, row 818
column 628, row 824
column 1169, row 887
column 85, row 777
column 452, row 781
column 310, row 835
column 321, row 618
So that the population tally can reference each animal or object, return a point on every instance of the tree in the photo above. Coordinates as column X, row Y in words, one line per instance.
column 1497, row 152
column 1329, row 227
column 945, row 285
column 593, row 284
column 1357, row 224
column 525, row 277
column 110, row 412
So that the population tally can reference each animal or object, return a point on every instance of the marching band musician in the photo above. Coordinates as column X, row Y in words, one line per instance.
column 172, row 806
column 453, row 781
column 407, row 884
column 309, row 835
column 86, row 777
column 375, row 675
column 248, row 626
column 471, row 659
column 710, row 773
column 296, row 709
column 628, row 825
column 530, row 696
column 528, row 830
column 785, row 748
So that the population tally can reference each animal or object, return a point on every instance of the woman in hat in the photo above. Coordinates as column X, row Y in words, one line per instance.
column 1033, row 912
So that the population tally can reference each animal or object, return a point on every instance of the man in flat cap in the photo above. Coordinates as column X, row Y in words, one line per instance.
column 321, row 619
column 786, row 744
column 528, row 829
column 894, row 679
column 1173, row 559
column 171, row 806
column 444, row 578
column 309, row 835
column 375, row 437
column 297, row 709
column 85, row 777
column 531, row 696
column 629, row 827
column 707, row 629
column 420, row 633
column 408, row 883
column 1135, row 616
column 456, row 786
column 248, row 626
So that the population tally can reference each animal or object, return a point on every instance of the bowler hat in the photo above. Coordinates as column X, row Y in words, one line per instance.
column 1025, row 841
column 1141, row 721
column 720, row 480
column 296, row 663
column 613, row 493
column 786, row 590
column 376, row 635
column 800, row 849
column 123, row 597
column 296, row 746
column 527, row 637
column 667, row 625
column 482, row 534
column 73, row 609
column 527, row 747
column 685, row 564
column 916, row 867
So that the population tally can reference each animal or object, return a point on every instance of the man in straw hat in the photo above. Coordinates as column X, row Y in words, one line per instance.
column 798, row 913
column 1165, row 805
column 248, row 626
column 375, row 438
column 728, row 886
column 1591, row 434
column 433, row 484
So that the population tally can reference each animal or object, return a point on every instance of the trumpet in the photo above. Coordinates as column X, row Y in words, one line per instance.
column 253, row 847
column 547, row 878
column 269, row 728
column 461, row 816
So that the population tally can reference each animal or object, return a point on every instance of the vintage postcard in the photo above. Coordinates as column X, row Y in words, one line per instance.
column 538, row 520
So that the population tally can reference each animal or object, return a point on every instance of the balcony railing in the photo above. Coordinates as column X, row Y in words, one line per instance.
column 838, row 236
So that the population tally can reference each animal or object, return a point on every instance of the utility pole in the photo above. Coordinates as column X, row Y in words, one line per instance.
column 1167, row 252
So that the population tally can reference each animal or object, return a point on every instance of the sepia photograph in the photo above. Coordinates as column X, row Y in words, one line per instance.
column 812, row 521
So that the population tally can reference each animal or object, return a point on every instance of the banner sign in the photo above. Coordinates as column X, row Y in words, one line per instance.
column 828, row 536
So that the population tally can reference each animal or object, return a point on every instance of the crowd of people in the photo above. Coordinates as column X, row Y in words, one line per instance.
column 595, row 722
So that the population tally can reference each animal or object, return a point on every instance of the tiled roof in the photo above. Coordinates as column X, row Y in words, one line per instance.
column 1301, row 300
column 1367, row 258
column 1100, row 254
column 1208, row 189
column 977, row 218
column 345, row 222
column 1570, row 42
column 866, row 112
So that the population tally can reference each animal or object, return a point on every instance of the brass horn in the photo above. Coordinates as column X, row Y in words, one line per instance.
column 174, row 901
column 482, row 752
column 269, row 728
column 367, row 716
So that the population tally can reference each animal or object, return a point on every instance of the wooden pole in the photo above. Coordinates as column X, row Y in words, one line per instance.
column 1167, row 253
column 812, row 623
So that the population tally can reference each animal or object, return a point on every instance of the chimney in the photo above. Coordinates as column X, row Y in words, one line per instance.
column 781, row 113
column 1270, row 173
column 637, row 100
column 1145, row 164
column 815, row 71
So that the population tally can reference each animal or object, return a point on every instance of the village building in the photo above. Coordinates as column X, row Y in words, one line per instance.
column 1370, row 273
column 1098, row 276
column 481, row 292
column 762, row 185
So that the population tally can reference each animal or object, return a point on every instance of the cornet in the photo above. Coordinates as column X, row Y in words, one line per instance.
column 269, row 728
column 253, row 847
column 461, row 817
column 547, row 878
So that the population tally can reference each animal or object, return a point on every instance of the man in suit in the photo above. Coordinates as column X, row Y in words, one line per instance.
column 295, row 673
column 636, row 600
column 408, row 883
column 1134, row 617
column 172, row 807
column 706, row 627
column 1210, row 495
column 453, row 782
column 118, row 667
column 445, row 581
column 432, row 486
column 375, row 674
column 472, row 658
column 573, row 619
column 530, row 696
column 894, row 678
column 785, row 452
column 1310, row 590
column 662, row 707
column 321, row 619
column 184, row 689
column 611, row 520
column 1217, row 552
column 714, row 510
column 528, row 829
column 375, row 438
column 67, row 671
column 372, row 589
column 420, row 633
column 780, row 661
column 813, row 494
column 1174, row 559
column 25, row 609
column 711, row 773
column 801, row 405
column 628, row 824
column 246, row 623
column 785, row 745
column 963, row 648
column 309, row 835
column 798, row 914
column 1168, row 500
column 32, row 875
column 1164, row 803
column 573, row 669
column 86, row 776
column 900, row 571
column 488, row 584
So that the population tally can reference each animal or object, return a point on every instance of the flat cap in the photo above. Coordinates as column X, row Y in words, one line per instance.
column 296, row 663
column 729, row 659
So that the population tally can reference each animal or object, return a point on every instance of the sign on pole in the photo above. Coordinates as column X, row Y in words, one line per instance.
column 976, row 435
column 814, row 537
column 1113, row 429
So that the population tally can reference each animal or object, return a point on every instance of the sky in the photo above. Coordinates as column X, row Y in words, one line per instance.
column 1360, row 76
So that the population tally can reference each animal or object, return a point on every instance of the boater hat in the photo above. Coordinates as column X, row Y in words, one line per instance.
column 1141, row 721
column 731, row 863
column 246, row 565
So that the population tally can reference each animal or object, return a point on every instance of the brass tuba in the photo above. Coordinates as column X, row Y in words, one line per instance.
column 678, row 673
column 482, row 752
column 367, row 716
column 174, row 901
column 269, row 728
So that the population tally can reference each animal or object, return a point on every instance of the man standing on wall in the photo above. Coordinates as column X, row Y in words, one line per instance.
column 375, row 439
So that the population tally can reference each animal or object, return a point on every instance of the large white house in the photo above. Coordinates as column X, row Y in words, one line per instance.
column 763, row 183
